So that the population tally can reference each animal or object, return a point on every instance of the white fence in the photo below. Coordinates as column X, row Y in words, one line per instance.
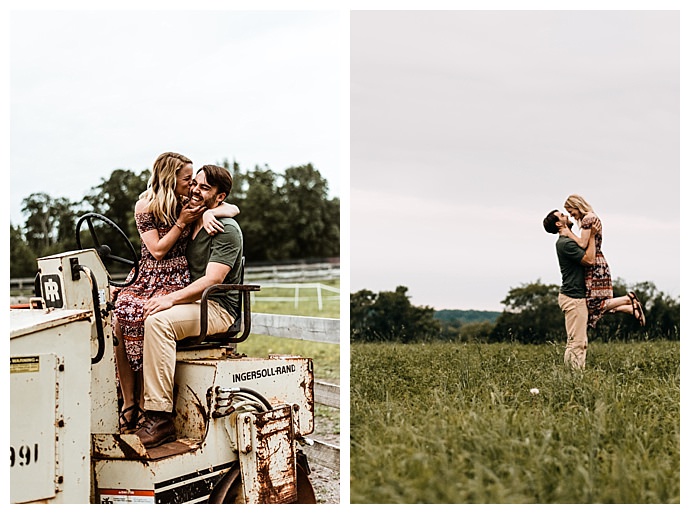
column 292, row 273
column 296, row 297
column 252, row 275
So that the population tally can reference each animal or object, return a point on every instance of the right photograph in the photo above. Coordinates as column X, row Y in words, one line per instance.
column 515, row 257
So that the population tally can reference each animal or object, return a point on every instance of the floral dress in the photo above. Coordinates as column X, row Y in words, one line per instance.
column 156, row 278
column 597, row 277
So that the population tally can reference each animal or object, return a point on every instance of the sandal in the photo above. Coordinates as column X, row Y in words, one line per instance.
column 131, row 424
column 637, row 308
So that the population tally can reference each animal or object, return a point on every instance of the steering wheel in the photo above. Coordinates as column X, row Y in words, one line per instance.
column 104, row 251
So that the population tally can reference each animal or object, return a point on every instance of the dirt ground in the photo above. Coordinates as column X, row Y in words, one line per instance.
column 326, row 482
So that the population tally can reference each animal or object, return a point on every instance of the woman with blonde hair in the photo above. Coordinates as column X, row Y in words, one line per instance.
column 598, row 282
column 164, row 220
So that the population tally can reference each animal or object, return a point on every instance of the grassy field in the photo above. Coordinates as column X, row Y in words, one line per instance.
column 455, row 423
column 307, row 304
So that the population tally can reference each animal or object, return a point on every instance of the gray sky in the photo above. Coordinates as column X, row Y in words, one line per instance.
column 468, row 127
column 94, row 91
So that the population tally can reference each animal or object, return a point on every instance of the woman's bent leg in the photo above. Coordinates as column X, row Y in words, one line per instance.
column 126, row 377
column 619, row 304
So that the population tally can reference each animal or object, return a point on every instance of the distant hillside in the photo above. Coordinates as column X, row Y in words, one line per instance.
column 471, row 316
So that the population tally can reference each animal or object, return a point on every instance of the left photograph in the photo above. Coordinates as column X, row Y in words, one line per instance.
column 174, row 314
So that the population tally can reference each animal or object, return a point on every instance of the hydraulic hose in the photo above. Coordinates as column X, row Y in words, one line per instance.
column 97, row 314
column 245, row 390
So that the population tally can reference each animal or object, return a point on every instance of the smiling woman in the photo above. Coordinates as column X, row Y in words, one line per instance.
column 165, row 226
column 598, row 281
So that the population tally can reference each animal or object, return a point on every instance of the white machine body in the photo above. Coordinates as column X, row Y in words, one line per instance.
column 65, row 444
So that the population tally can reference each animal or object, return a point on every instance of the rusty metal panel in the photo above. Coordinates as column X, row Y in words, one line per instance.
column 129, row 447
column 117, row 446
column 281, row 379
column 267, row 456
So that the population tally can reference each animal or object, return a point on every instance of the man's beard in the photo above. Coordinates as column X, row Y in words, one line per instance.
column 196, row 202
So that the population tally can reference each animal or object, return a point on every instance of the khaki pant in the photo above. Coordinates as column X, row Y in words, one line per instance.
column 575, row 310
column 161, row 330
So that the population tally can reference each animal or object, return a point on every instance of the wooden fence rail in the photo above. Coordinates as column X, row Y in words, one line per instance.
column 324, row 330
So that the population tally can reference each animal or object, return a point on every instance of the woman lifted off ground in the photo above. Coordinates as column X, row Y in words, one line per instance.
column 598, row 281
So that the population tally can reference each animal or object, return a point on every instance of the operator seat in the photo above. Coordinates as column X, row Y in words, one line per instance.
column 237, row 332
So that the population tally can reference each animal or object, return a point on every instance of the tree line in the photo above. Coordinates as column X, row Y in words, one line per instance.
column 531, row 316
column 284, row 216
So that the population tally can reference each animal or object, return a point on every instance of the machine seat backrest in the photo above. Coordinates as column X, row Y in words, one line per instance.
column 237, row 332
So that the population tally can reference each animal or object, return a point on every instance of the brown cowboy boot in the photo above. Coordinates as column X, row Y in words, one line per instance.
column 158, row 428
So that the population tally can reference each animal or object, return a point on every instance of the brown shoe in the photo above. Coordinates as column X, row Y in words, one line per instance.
column 158, row 428
column 638, row 311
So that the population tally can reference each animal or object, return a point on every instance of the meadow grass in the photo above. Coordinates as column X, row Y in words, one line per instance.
column 457, row 423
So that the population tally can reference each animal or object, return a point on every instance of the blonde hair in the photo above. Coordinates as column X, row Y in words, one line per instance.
column 579, row 203
column 160, row 191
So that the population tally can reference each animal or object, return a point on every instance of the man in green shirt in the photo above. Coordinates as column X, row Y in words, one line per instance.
column 571, row 297
column 212, row 260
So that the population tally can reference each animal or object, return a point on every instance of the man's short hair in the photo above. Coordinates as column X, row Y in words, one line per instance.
column 550, row 222
column 218, row 177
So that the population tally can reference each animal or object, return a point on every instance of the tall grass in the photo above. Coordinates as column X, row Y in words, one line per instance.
column 451, row 423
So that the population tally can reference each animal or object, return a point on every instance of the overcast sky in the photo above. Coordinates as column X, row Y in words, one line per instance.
column 468, row 127
column 94, row 91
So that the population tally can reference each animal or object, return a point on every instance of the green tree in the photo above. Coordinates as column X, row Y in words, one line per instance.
column 115, row 198
column 263, row 216
column 389, row 316
column 22, row 258
column 361, row 311
column 315, row 223
column 531, row 315
column 283, row 217
column 286, row 217
column 662, row 315
column 49, row 225
column 476, row 331
column 451, row 328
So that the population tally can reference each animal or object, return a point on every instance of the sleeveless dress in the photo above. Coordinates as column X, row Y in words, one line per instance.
column 597, row 278
column 156, row 278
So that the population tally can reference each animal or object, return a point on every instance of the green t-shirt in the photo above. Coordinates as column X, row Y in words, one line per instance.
column 572, row 271
column 225, row 248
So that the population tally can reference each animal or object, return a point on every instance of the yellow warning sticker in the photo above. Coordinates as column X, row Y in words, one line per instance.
column 24, row 364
